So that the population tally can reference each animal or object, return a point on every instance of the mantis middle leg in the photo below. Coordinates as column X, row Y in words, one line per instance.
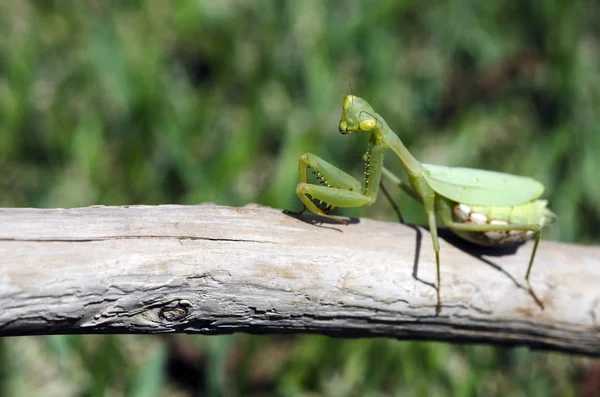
column 429, row 204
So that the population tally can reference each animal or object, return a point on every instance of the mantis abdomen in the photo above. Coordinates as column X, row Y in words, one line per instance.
column 533, row 212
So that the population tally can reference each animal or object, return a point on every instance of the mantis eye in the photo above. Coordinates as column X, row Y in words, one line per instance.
column 367, row 125
column 348, row 100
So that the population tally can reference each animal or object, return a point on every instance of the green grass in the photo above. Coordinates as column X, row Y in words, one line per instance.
column 150, row 102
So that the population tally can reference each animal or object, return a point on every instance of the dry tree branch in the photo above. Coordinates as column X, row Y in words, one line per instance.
column 215, row 270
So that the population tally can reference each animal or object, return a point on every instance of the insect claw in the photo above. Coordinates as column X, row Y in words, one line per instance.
column 296, row 213
column 534, row 296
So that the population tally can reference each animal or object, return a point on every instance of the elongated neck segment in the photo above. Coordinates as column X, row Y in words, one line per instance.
column 411, row 165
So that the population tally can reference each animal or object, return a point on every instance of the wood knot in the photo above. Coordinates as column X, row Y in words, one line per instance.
column 175, row 311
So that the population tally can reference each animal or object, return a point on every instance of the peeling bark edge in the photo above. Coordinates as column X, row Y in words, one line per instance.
column 217, row 270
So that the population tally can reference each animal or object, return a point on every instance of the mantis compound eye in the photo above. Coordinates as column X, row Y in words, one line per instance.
column 348, row 100
column 368, row 125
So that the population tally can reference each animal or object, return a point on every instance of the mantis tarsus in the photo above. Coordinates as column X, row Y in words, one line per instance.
column 485, row 207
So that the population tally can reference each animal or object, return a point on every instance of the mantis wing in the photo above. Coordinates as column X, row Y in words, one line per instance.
column 481, row 187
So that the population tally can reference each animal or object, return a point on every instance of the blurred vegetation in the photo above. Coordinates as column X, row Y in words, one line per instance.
column 151, row 102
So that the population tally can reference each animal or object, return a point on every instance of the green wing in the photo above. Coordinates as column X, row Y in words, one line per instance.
column 481, row 187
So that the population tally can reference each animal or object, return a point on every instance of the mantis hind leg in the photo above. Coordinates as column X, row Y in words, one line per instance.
column 446, row 217
column 470, row 227
column 538, row 236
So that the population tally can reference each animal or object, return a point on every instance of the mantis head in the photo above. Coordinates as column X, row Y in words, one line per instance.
column 357, row 115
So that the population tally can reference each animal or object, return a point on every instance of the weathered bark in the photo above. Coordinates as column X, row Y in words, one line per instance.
column 214, row 270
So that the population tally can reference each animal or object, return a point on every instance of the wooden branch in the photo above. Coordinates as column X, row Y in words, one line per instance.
column 215, row 270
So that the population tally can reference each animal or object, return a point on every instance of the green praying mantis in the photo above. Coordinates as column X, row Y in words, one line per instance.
column 484, row 207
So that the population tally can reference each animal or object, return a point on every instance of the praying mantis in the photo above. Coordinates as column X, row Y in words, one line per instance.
column 484, row 207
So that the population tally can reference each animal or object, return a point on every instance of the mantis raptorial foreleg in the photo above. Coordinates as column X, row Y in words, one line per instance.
column 339, row 189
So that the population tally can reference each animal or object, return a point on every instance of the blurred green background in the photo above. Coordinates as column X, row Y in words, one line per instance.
column 154, row 102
